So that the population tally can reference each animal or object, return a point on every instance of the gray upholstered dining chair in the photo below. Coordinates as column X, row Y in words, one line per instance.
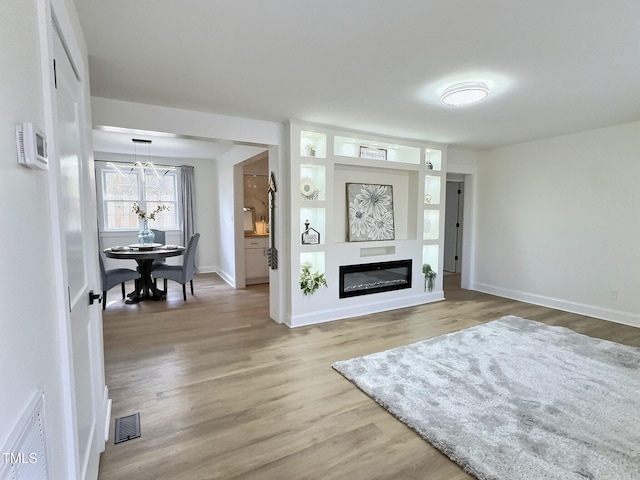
column 161, row 238
column 111, row 278
column 181, row 273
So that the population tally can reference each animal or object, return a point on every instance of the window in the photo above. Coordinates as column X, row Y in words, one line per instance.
column 120, row 185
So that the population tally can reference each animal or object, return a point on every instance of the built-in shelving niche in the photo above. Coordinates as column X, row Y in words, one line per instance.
column 350, row 147
column 405, row 191
column 318, row 194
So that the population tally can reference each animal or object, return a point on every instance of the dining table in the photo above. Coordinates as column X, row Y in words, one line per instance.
column 144, row 255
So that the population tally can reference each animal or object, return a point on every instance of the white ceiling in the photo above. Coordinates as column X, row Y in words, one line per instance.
column 556, row 66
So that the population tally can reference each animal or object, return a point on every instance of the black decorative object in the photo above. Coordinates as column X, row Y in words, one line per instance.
column 272, row 253
column 310, row 236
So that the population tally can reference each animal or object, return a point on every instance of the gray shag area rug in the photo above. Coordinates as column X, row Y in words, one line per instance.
column 515, row 399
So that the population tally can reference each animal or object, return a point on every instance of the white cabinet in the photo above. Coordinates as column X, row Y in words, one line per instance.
column 256, row 268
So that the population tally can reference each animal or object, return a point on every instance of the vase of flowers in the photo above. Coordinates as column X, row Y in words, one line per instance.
column 429, row 277
column 311, row 281
column 146, row 236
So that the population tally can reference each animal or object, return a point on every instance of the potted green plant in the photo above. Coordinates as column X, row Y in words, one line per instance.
column 311, row 281
column 311, row 149
column 429, row 277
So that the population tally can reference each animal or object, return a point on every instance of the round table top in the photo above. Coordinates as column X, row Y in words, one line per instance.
column 134, row 253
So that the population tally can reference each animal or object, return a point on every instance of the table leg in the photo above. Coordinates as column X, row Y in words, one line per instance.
column 135, row 293
column 145, row 289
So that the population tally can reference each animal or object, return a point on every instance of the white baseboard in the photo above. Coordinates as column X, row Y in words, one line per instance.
column 226, row 277
column 617, row 316
column 329, row 315
column 209, row 269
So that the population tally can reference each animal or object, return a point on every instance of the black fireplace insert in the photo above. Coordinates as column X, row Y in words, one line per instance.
column 368, row 278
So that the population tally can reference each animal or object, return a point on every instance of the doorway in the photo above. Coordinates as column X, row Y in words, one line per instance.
column 255, row 185
column 221, row 207
column 453, row 226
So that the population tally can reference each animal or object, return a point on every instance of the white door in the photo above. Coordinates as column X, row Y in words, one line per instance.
column 80, row 249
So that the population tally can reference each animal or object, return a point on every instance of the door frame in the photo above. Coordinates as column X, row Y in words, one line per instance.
column 457, row 242
column 53, row 16
column 469, row 175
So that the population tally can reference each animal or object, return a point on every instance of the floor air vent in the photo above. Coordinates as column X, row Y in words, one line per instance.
column 127, row 428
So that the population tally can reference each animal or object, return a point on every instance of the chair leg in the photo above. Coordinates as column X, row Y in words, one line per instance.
column 191, row 282
column 165, row 286
column 184, row 291
column 123, row 292
column 104, row 299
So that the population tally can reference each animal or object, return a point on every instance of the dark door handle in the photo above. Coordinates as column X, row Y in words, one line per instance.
column 93, row 297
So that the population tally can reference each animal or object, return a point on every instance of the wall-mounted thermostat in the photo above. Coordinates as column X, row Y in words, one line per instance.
column 32, row 146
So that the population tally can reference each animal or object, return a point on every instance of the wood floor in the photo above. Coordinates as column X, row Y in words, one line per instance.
column 226, row 393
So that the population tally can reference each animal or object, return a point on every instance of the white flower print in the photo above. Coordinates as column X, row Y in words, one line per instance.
column 382, row 227
column 358, row 219
column 374, row 199
column 370, row 212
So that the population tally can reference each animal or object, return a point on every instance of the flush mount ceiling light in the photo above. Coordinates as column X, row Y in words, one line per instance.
column 464, row 93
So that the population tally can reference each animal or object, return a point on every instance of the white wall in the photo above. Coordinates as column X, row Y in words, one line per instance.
column 137, row 116
column 205, row 210
column 457, row 156
column 30, row 321
column 557, row 222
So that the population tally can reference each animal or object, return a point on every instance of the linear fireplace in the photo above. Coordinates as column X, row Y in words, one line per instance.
column 368, row 278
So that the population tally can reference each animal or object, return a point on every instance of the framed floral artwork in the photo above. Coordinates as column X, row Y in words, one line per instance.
column 370, row 212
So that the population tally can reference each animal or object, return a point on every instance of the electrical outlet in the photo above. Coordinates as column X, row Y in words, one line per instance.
column 613, row 294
